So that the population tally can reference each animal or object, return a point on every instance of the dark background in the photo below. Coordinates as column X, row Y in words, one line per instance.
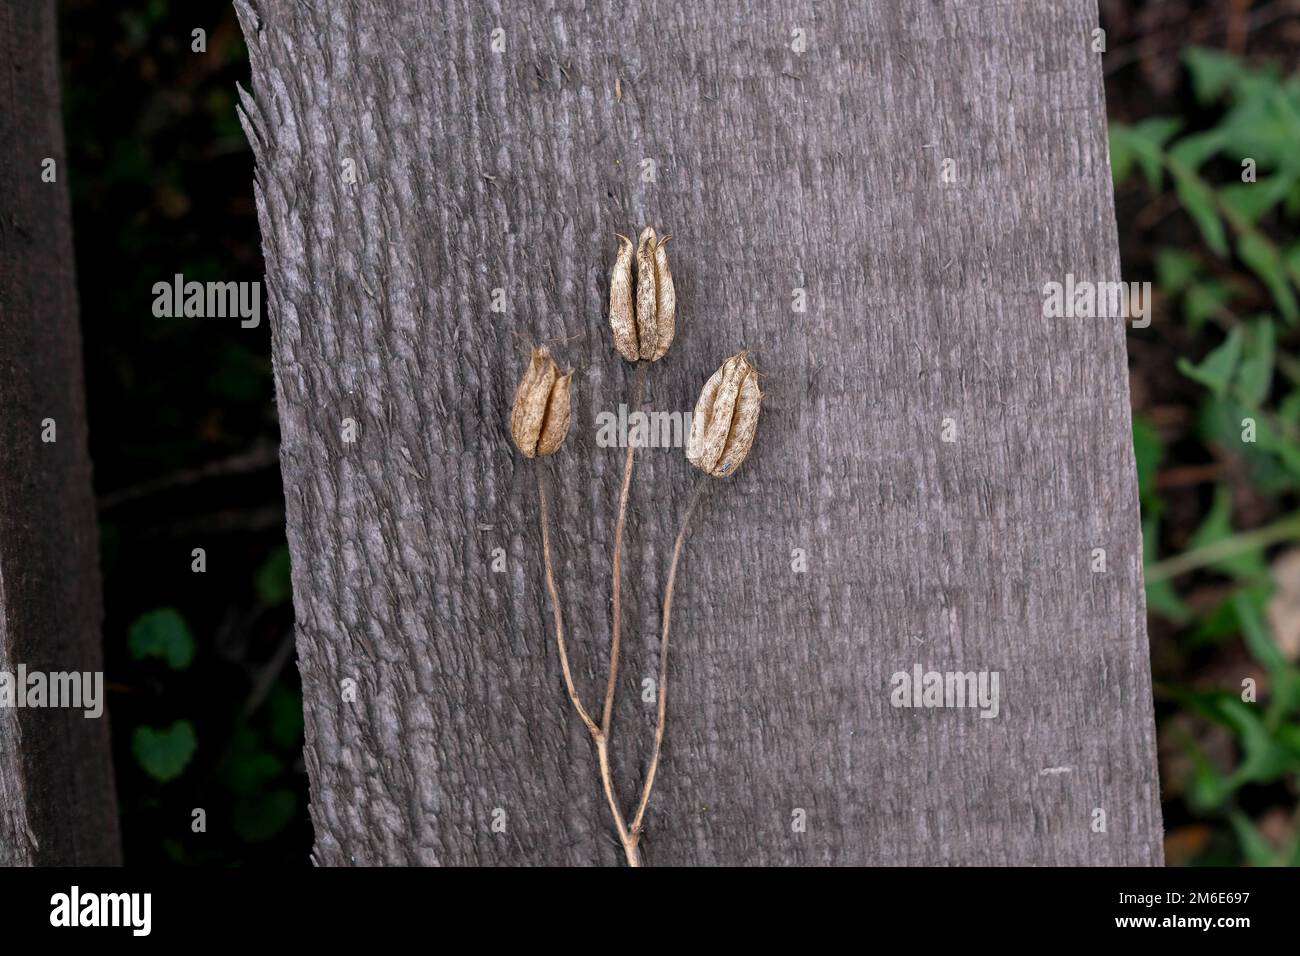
column 183, row 440
column 204, row 701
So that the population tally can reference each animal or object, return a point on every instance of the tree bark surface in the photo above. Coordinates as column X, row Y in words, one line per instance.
column 918, row 172
column 57, row 801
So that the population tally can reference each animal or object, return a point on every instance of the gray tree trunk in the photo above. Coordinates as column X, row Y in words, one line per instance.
column 57, row 803
column 508, row 160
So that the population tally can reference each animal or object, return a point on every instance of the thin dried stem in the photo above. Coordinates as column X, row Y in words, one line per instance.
column 597, row 735
column 607, row 778
column 617, row 589
column 662, row 690
column 555, row 604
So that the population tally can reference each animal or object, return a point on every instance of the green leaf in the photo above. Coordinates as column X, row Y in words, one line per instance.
column 164, row 754
column 1252, row 200
column 1292, row 259
column 1199, row 203
column 286, row 718
column 1216, row 369
column 1224, row 621
column 1273, row 460
column 1288, row 735
column 1212, row 71
column 1264, row 760
column 1289, row 410
column 273, row 578
column 164, row 634
column 248, row 765
column 1162, row 599
column 1265, row 262
column 1204, row 301
column 1217, row 526
column 1208, row 788
column 1148, row 451
column 1141, row 144
column 1264, row 127
column 259, row 817
column 1259, row 639
column 1175, row 269
column 1255, row 375
column 1192, row 151
column 1121, row 155
column 1253, row 845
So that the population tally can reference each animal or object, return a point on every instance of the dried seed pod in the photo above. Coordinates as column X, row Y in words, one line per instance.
column 726, row 416
column 647, row 304
column 649, row 333
column 665, row 302
column 621, row 319
column 540, row 417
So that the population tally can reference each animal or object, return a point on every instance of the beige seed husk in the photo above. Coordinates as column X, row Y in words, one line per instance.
column 646, row 300
column 539, row 419
column 665, row 302
column 621, row 320
column 556, row 423
column 726, row 418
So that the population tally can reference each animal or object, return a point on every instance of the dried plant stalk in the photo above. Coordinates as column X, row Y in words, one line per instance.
column 723, row 428
column 661, row 691
column 616, row 589
column 598, row 736
column 555, row 606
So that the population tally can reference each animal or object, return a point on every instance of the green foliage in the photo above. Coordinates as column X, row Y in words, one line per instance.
column 1148, row 452
column 1236, row 284
column 286, row 723
column 164, row 754
column 1140, row 145
column 273, row 584
column 260, row 817
column 164, row 634
column 1245, row 566
column 255, row 772
column 1256, row 140
column 1215, row 372
column 161, row 186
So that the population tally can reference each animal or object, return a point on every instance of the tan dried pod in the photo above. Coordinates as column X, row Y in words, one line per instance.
column 726, row 417
column 665, row 302
column 621, row 319
column 647, row 303
column 540, row 417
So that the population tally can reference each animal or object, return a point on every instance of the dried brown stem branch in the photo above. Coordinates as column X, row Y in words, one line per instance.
column 662, row 690
column 598, row 736
column 555, row 605
column 617, row 589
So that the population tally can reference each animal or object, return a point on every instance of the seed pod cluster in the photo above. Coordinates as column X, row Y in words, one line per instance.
column 643, row 320
column 726, row 417
column 540, row 417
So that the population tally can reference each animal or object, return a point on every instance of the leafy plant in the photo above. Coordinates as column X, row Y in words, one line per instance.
column 1238, row 183
column 164, row 754
column 164, row 634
